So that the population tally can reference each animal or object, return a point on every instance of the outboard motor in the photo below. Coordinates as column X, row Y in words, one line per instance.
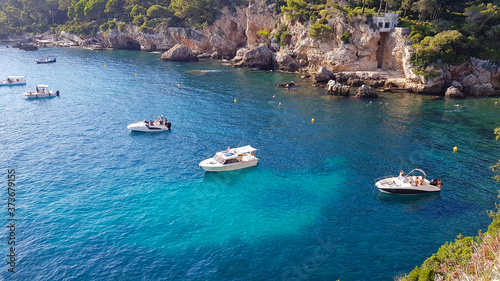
column 169, row 125
column 434, row 182
column 57, row 93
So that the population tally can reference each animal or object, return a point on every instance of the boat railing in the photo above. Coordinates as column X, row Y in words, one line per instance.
column 382, row 178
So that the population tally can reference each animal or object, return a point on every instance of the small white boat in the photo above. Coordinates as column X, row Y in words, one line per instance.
column 151, row 126
column 231, row 159
column 408, row 184
column 13, row 80
column 46, row 60
column 41, row 91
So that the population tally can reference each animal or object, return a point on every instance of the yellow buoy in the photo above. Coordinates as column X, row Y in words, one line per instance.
column 136, row 74
column 234, row 100
column 178, row 85
column 87, row 58
column 455, row 149
column 312, row 120
column 104, row 65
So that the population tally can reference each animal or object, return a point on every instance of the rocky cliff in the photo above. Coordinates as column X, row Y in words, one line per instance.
column 234, row 36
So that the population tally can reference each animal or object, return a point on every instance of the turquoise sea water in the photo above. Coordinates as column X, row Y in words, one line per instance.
column 96, row 202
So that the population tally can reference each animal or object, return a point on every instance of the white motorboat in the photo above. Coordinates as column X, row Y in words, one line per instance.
column 41, row 91
column 231, row 159
column 145, row 126
column 410, row 183
column 13, row 80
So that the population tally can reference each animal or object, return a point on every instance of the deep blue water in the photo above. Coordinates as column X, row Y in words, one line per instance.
column 96, row 202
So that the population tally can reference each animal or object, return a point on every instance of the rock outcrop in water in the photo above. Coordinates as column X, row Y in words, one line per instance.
column 179, row 53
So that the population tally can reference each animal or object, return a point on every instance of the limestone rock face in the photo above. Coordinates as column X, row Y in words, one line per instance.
column 366, row 92
column 179, row 53
column 474, row 78
column 284, row 62
column 453, row 92
column 481, row 90
column 260, row 57
column 337, row 89
column 323, row 75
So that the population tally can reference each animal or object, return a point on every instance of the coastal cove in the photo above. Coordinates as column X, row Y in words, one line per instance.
column 98, row 202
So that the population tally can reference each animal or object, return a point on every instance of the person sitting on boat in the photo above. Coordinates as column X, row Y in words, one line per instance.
column 150, row 122
column 415, row 181
column 421, row 181
column 8, row 80
column 165, row 122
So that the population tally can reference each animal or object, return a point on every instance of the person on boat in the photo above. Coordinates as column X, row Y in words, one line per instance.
column 421, row 182
column 165, row 122
column 401, row 177
column 8, row 80
column 415, row 181
column 439, row 183
column 150, row 122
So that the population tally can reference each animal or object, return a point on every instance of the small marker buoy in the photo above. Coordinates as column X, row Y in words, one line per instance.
column 178, row 85
column 104, row 65
column 87, row 58
column 234, row 100
column 312, row 120
column 455, row 149
column 136, row 74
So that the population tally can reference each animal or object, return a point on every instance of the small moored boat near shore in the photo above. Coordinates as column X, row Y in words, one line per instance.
column 46, row 60
column 408, row 184
column 13, row 80
column 159, row 125
column 231, row 159
column 41, row 91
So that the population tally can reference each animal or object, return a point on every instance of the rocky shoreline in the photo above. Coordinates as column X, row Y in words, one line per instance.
column 371, row 58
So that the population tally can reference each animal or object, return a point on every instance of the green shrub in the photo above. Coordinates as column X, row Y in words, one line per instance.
column 285, row 38
column 121, row 26
column 346, row 36
column 263, row 33
column 139, row 20
column 320, row 31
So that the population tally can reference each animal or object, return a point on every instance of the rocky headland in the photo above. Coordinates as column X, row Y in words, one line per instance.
column 369, row 57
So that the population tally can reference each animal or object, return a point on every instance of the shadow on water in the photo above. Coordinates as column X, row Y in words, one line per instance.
column 228, row 176
column 406, row 199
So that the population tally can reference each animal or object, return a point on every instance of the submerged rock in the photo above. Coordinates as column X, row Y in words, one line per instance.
column 179, row 53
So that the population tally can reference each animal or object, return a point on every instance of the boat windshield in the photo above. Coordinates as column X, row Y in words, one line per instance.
column 219, row 159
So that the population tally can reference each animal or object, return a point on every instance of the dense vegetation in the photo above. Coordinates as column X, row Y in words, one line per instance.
column 467, row 258
column 442, row 31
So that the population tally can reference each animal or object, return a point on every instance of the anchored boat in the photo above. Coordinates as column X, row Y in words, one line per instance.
column 41, row 91
column 159, row 125
column 46, row 60
column 13, row 80
column 415, row 182
column 231, row 159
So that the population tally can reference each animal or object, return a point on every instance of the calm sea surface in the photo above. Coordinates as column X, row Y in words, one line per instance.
column 96, row 202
